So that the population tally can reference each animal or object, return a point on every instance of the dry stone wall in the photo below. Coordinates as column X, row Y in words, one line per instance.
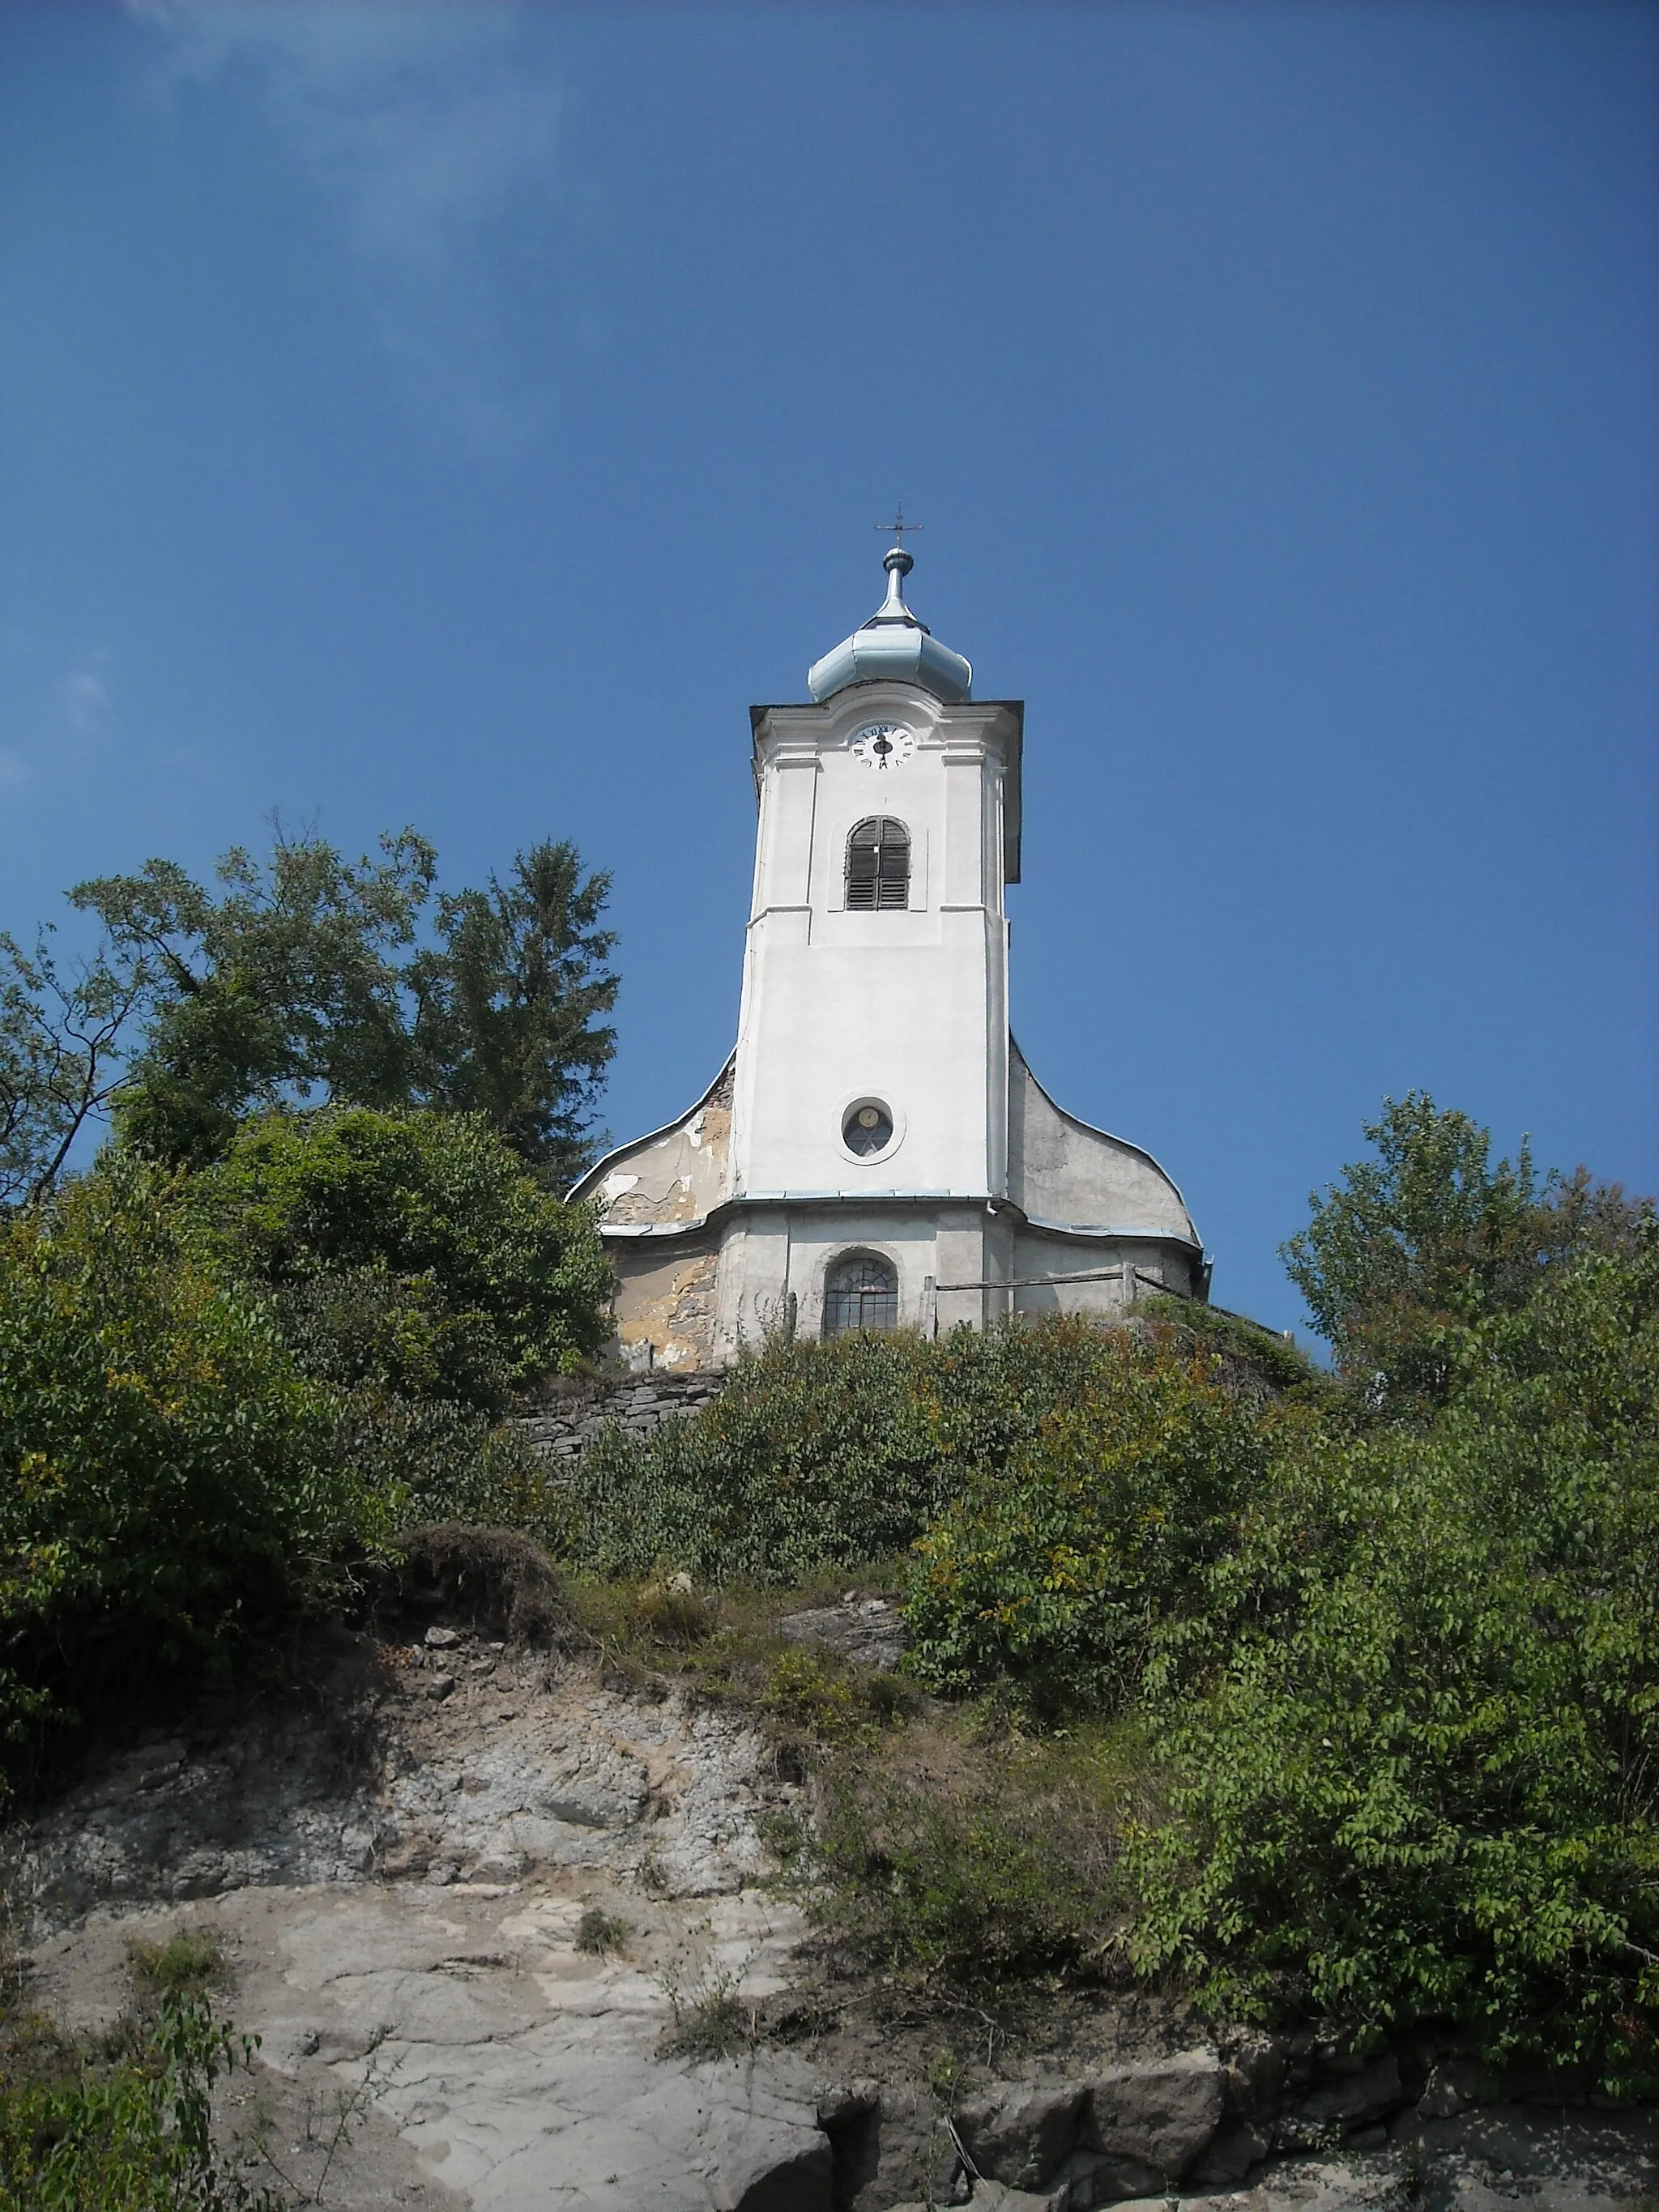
column 569, row 1418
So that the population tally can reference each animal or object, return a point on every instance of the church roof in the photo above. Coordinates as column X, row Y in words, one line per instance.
column 892, row 644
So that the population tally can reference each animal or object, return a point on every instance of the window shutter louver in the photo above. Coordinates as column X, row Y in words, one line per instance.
column 878, row 867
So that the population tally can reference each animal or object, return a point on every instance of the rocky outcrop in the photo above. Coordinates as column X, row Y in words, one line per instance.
column 1173, row 2132
column 1117, row 2134
column 451, row 1759
column 514, row 1915
column 399, row 1873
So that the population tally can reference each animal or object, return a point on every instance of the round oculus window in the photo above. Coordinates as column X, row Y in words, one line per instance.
column 867, row 1129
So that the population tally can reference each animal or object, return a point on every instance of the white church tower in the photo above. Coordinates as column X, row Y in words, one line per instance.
column 876, row 1153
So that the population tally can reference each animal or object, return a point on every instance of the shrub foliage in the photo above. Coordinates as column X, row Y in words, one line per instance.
column 1051, row 1574
column 1413, row 1731
column 172, row 1475
column 820, row 1455
column 409, row 1248
column 127, row 2130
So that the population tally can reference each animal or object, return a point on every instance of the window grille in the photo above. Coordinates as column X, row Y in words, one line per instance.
column 879, row 865
column 861, row 1293
column 868, row 1129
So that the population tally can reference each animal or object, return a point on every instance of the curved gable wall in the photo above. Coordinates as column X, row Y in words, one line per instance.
column 1061, row 1172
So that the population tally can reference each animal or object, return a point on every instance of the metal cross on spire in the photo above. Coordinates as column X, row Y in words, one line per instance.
column 898, row 527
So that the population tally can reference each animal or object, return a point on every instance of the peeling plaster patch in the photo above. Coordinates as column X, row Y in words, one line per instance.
column 671, row 1307
column 681, row 1176
column 675, row 1179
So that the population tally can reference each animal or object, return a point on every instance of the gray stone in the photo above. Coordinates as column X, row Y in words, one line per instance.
column 868, row 1631
column 997, row 2196
column 1253, row 2071
column 1356, row 2101
column 1162, row 2114
column 1020, row 2132
column 508, row 2067
column 1086, row 2178
column 1239, row 2146
column 1123, row 2131
column 442, row 1639
column 560, row 1773
column 850, row 2115
column 1453, row 2084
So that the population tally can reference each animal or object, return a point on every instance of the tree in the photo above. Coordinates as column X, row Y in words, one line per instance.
column 1423, row 1241
column 62, row 1048
column 506, row 1025
column 170, row 1472
column 301, row 980
column 288, row 986
column 1410, row 1744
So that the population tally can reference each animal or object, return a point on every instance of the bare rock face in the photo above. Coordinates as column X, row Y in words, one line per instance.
column 1022, row 2132
column 1180, row 2126
column 1369, row 2093
column 1159, row 2116
column 467, row 1763
column 401, row 1901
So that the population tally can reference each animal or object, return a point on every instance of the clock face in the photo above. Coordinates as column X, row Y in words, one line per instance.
column 883, row 744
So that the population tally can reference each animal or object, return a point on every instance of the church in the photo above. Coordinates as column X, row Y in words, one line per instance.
column 876, row 1153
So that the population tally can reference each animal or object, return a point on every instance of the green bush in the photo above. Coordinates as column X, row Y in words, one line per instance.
column 407, row 1249
column 1050, row 1576
column 191, row 1963
column 126, row 2131
column 829, row 1455
column 1254, row 1359
column 426, row 1460
column 971, row 1869
column 1412, row 1736
column 814, row 1697
column 169, row 1474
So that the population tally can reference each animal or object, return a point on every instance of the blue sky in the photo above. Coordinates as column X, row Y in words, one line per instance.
column 460, row 415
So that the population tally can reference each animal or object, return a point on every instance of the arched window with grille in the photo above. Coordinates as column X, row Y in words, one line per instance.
column 878, row 867
column 860, row 1292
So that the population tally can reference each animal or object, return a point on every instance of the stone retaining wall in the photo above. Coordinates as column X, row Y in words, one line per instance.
column 569, row 1417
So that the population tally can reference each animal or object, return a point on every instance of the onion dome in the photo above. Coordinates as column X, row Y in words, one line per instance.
column 892, row 645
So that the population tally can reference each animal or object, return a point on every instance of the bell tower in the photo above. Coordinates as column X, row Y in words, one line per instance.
column 871, row 1055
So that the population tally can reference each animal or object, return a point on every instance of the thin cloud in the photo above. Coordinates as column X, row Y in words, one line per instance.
column 48, row 721
column 84, row 702
column 431, row 133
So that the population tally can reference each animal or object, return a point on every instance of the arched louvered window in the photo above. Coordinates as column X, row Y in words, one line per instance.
column 860, row 1292
column 879, row 865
